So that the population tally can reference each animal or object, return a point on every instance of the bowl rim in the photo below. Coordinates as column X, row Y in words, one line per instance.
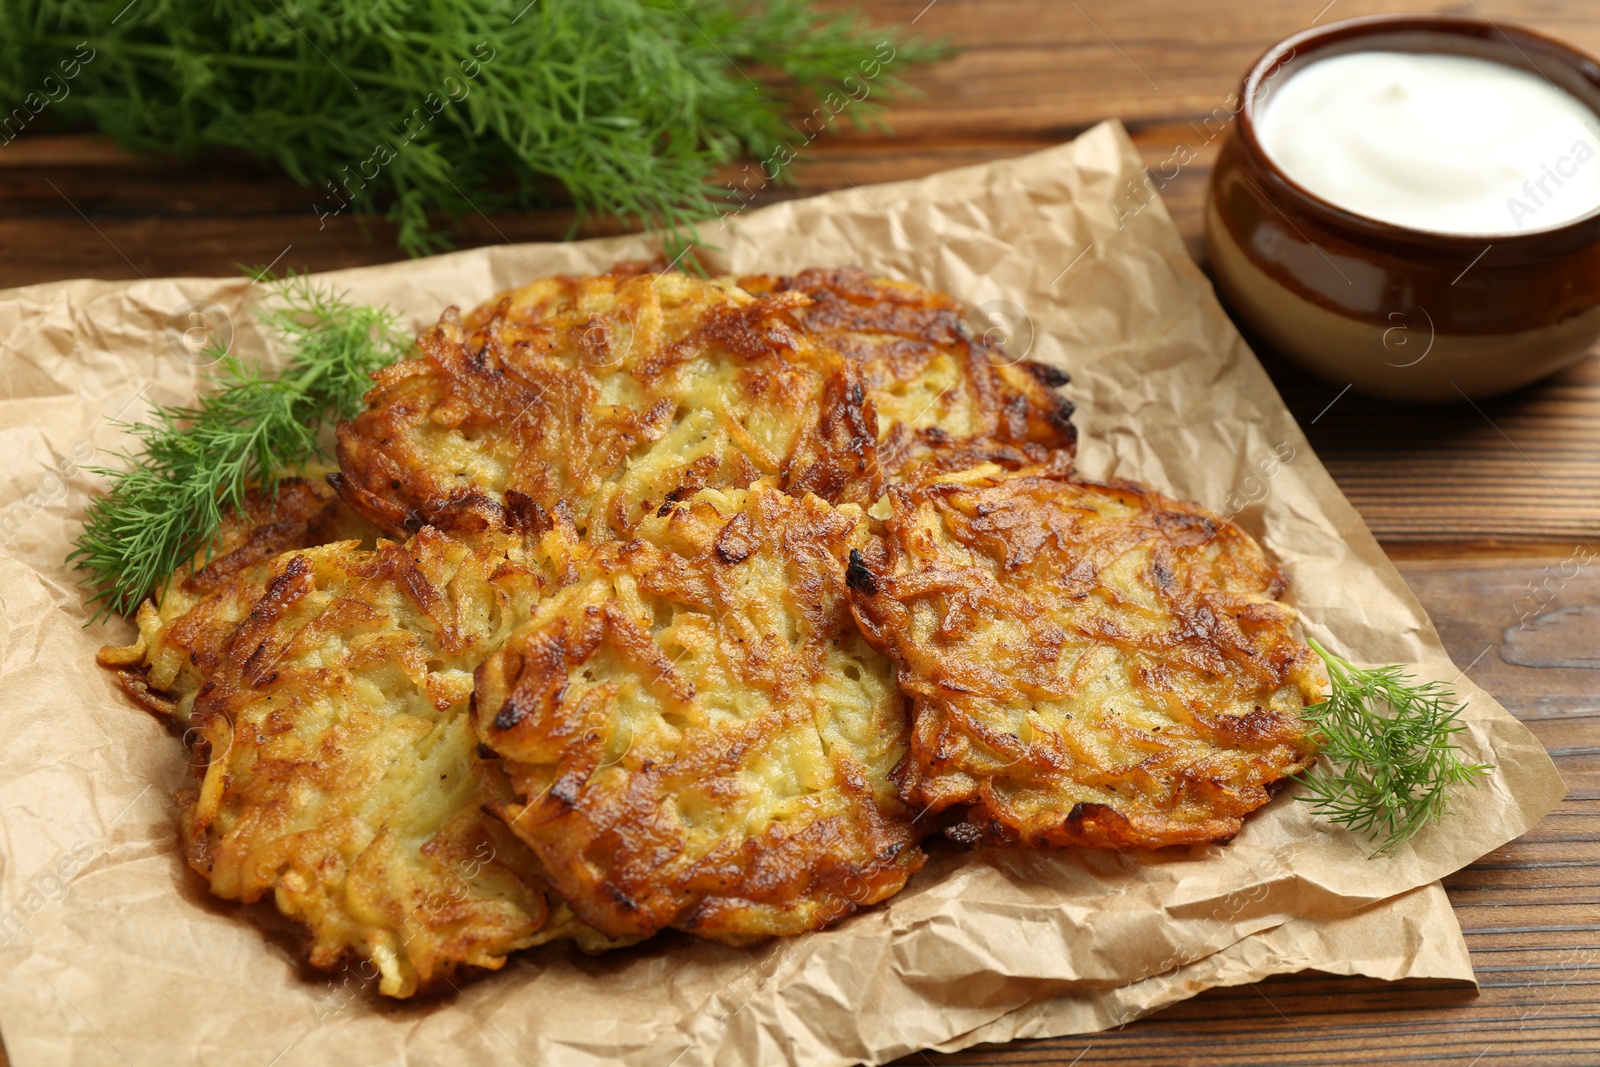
column 1306, row 43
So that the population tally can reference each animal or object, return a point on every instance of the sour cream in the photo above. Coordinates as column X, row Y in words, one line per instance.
column 1435, row 142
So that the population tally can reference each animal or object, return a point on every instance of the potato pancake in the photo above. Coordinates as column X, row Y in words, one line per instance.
column 608, row 395
column 325, row 693
column 613, row 393
column 1088, row 664
column 697, row 735
column 941, row 394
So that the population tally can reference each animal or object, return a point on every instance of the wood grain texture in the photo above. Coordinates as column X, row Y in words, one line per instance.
column 1493, row 512
column 1049, row 69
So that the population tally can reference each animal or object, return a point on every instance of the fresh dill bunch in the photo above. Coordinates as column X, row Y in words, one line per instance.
column 193, row 463
column 454, row 106
column 1392, row 746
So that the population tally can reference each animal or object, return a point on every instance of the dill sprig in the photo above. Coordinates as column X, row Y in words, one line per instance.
column 1392, row 748
column 193, row 463
column 429, row 106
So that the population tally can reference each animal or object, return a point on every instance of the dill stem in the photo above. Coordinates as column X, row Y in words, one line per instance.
column 1332, row 662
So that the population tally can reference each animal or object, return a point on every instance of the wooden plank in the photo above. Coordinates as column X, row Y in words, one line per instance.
column 1508, row 480
column 1520, row 468
column 1048, row 69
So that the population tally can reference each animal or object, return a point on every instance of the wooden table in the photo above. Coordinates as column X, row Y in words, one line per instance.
column 1492, row 512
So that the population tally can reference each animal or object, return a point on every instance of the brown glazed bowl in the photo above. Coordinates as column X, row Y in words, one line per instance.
column 1401, row 313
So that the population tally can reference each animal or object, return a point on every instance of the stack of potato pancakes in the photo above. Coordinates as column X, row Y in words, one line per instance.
column 645, row 600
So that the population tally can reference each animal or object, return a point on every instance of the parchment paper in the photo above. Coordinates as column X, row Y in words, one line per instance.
column 111, row 951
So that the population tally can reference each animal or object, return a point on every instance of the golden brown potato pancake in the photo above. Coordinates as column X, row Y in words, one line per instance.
column 325, row 693
column 941, row 394
column 1088, row 664
column 609, row 395
column 612, row 393
column 696, row 734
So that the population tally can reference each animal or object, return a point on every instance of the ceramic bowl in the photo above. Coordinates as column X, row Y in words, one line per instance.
column 1402, row 313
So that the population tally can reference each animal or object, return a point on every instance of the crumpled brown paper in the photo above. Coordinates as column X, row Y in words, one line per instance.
column 111, row 951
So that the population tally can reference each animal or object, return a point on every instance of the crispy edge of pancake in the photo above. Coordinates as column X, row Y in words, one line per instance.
column 226, row 576
column 695, row 732
column 1089, row 664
